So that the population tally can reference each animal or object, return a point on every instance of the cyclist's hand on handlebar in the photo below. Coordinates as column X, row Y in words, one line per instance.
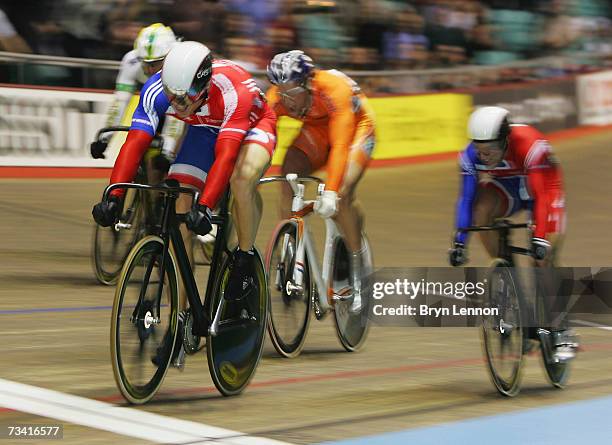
column 105, row 213
column 457, row 255
column 327, row 204
column 540, row 248
column 97, row 149
column 198, row 219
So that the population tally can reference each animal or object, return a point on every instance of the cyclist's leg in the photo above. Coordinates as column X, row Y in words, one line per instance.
column 190, row 169
column 350, row 216
column 154, row 176
column 253, row 160
column 296, row 161
column 307, row 153
column 494, row 199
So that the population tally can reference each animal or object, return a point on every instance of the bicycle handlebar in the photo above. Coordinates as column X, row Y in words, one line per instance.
column 499, row 225
column 284, row 178
column 163, row 188
column 157, row 142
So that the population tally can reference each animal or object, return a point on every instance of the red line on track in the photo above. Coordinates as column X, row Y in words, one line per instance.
column 339, row 375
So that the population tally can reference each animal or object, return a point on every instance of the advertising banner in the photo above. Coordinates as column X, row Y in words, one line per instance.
column 548, row 106
column 406, row 125
column 51, row 127
column 595, row 98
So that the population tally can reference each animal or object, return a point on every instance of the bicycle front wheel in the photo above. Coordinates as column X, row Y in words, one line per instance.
column 111, row 245
column 145, row 320
column 503, row 334
column 351, row 326
column 290, row 304
column 235, row 350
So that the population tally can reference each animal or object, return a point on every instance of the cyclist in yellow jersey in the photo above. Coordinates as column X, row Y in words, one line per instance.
column 150, row 48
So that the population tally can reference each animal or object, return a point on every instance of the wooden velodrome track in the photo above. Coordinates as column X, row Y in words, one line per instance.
column 404, row 378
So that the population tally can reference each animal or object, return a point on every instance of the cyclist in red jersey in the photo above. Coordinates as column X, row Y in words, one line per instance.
column 230, row 140
column 505, row 168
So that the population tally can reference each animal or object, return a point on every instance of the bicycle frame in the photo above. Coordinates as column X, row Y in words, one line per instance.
column 171, row 234
column 300, row 209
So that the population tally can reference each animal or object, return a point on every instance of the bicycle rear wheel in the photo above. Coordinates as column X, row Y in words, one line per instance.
column 351, row 327
column 234, row 352
column 289, row 307
column 111, row 245
column 145, row 321
column 557, row 373
column 503, row 334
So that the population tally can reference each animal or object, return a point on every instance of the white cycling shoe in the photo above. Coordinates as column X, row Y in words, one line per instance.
column 209, row 237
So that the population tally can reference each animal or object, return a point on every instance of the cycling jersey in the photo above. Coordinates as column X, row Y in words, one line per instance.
column 129, row 78
column 529, row 176
column 339, row 120
column 236, row 111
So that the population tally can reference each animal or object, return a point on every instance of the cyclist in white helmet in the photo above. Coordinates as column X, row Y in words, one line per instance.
column 150, row 48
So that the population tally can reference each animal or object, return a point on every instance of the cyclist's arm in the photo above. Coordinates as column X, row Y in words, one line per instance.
column 172, row 133
column 342, row 123
column 124, row 89
column 543, row 175
column 467, row 194
column 145, row 122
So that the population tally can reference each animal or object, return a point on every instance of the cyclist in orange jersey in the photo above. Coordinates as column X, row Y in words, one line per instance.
column 337, row 129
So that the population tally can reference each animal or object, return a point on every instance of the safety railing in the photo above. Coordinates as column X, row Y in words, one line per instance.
column 95, row 73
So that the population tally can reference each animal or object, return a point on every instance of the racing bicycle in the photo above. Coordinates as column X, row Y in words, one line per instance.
column 507, row 336
column 145, row 316
column 299, row 286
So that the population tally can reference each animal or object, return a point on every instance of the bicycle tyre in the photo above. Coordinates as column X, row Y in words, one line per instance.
column 107, row 265
column 497, row 331
column 286, row 307
column 127, row 315
column 557, row 374
column 351, row 328
column 234, row 353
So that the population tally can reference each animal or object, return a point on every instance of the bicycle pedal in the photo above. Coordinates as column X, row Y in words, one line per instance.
column 345, row 294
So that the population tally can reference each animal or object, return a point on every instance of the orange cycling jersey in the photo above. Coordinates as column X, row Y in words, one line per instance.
column 340, row 112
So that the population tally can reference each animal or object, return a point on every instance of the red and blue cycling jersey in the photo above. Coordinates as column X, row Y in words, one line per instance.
column 235, row 106
column 528, row 177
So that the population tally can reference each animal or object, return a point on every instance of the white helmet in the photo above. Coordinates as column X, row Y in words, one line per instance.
column 489, row 124
column 154, row 42
column 187, row 71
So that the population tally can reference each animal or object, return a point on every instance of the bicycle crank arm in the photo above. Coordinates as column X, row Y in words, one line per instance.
column 213, row 330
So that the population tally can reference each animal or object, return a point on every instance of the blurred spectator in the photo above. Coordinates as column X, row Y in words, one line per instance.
column 405, row 46
column 350, row 34
column 9, row 39
column 200, row 20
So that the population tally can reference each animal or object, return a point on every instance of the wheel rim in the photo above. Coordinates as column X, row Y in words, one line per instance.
column 141, row 325
column 351, row 327
column 111, row 246
column 233, row 354
column 503, row 333
column 289, row 308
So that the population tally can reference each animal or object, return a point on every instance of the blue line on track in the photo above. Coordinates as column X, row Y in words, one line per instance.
column 55, row 309
column 584, row 422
